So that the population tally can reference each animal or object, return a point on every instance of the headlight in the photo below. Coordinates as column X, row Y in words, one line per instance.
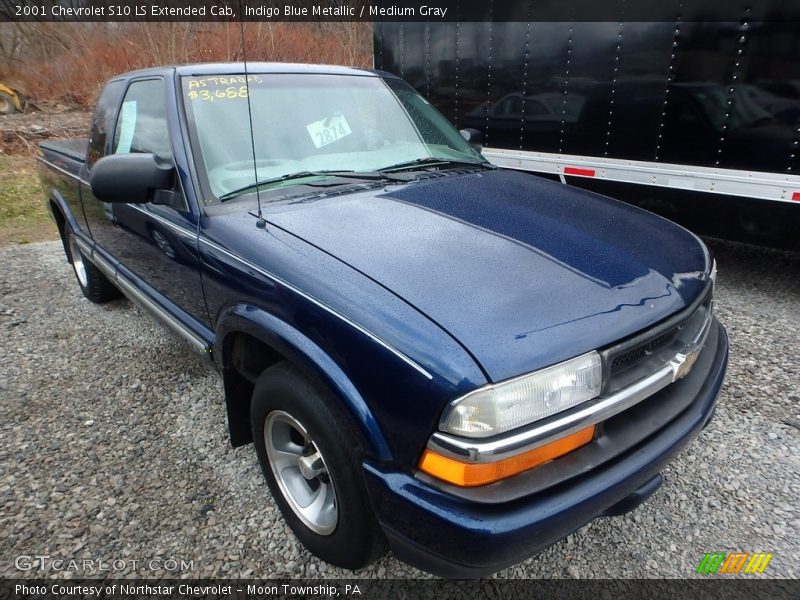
column 505, row 406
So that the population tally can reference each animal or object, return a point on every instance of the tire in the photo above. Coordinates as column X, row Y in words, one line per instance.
column 352, row 537
column 7, row 105
column 94, row 285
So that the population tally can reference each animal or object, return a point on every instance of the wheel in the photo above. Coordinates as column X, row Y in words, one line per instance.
column 6, row 104
column 757, row 224
column 94, row 285
column 310, row 454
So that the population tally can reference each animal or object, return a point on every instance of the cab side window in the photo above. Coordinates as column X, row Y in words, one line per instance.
column 142, row 120
column 103, row 121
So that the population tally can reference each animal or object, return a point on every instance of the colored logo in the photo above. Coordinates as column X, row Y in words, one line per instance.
column 735, row 562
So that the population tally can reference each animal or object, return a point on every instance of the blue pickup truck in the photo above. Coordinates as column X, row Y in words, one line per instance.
column 461, row 362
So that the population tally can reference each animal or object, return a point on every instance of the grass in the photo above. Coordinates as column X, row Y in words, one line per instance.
column 23, row 213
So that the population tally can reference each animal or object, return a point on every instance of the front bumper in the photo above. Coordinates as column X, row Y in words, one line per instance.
column 471, row 536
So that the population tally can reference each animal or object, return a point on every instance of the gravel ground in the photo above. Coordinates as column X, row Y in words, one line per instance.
column 114, row 445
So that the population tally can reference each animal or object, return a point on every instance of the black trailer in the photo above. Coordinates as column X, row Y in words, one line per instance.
column 651, row 112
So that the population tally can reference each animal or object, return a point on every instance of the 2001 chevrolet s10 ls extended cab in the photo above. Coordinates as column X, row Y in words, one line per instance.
column 466, row 362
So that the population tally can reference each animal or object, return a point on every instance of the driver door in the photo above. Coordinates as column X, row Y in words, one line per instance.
column 155, row 245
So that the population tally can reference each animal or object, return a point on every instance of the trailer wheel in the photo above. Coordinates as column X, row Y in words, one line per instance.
column 7, row 105
column 756, row 224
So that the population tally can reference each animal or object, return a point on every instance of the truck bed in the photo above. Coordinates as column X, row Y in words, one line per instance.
column 74, row 149
column 66, row 156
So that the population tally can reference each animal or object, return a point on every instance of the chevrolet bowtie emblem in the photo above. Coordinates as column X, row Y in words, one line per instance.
column 682, row 363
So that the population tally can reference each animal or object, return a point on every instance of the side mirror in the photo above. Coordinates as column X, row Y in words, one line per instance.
column 130, row 178
column 474, row 137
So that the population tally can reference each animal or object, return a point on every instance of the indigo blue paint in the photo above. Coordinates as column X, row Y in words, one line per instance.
column 457, row 538
column 403, row 298
column 523, row 272
column 304, row 353
column 402, row 400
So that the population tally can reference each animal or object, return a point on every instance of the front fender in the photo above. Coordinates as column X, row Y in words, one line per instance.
column 303, row 352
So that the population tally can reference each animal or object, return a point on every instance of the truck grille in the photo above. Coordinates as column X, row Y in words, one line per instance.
column 632, row 357
column 644, row 353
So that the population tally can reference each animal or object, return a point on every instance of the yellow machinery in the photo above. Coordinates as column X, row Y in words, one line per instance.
column 10, row 100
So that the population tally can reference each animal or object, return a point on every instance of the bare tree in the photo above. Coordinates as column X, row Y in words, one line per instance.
column 69, row 62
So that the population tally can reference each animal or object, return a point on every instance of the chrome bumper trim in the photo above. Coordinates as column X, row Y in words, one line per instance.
column 585, row 415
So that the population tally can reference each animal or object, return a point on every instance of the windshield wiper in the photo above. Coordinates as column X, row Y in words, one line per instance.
column 363, row 175
column 431, row 161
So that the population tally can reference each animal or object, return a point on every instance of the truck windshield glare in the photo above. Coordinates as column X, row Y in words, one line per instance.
column 310, row 123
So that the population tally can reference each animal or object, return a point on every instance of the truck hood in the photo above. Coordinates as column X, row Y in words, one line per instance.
column 521, row 271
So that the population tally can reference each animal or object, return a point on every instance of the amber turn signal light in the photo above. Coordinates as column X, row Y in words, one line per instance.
column 467, row 474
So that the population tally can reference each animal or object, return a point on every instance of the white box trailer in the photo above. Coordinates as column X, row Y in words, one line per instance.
column 697, row 115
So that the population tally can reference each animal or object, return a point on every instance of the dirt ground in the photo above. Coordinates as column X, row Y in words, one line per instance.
column 20, row 132
column 23, row 216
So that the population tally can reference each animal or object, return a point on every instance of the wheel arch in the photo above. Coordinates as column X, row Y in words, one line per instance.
column 250, row 339
column 63, row 217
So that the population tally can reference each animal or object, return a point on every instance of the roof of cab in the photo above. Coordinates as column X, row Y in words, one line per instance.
column 238, row 68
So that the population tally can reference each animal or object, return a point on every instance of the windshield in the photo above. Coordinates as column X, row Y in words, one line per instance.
column 310, row 123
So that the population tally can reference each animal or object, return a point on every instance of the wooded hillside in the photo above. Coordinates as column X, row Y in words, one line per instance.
column 69, row 62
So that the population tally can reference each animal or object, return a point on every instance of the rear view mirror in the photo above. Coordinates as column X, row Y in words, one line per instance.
column 130, row 178
column 474, row 137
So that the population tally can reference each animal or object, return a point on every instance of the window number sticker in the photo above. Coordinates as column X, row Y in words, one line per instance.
column 328, row 130
column 127, row 124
